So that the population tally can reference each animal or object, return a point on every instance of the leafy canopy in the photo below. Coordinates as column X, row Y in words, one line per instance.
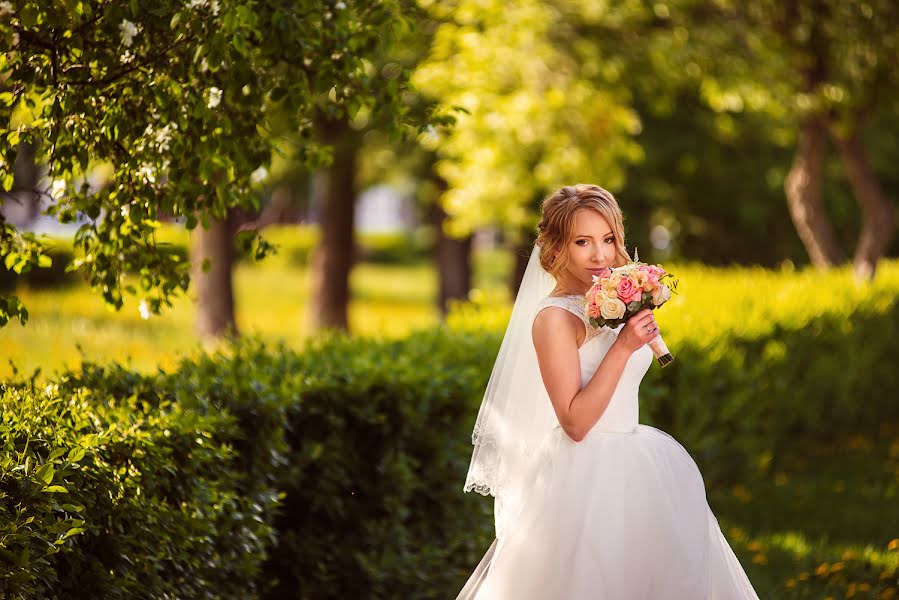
column 140, row 109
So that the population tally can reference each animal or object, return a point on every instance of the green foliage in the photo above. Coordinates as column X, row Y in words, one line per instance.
column 296, row 242
column 336, row 472
column 192, row 462
column 122, row 495
column 173, row 102
column 688, row 111
column 57, row 256
column 543, row 107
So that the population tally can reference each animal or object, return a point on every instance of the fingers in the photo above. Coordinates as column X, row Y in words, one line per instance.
column 643, row 327
column 643, row 318
column 647, row 328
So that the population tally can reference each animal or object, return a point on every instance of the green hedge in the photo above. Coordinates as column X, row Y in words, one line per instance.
column 363, row 450
column 122, row 496
column 336, row 472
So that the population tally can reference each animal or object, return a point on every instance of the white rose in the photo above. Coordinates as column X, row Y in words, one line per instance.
column 661, row 295
column 612, row 308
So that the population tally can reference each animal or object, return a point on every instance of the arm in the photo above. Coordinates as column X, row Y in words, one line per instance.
column 555, row 340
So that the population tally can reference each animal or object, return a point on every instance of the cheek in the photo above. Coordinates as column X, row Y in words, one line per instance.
column 611, row 253
column 582, row 253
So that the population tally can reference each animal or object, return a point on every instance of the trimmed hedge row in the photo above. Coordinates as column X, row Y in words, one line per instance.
column 112, row 496
column 336, row 472
column 332, row 473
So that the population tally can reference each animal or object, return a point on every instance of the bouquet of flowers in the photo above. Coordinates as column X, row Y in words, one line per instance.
column 619, row 293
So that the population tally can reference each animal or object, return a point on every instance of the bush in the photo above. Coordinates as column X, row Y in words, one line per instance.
column 297, row 243
column 373, row 443
column 55, row 275
column 336, row 472
column 122, row 497
column 178, row 486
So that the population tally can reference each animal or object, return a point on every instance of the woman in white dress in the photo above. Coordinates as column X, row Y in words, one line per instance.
column 590, row 504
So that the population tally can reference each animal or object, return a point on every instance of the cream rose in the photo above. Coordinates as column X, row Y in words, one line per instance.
column 661, row 295
column 610, row 289
column 612, row 308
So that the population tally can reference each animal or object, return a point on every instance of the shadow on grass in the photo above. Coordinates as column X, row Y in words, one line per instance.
column 825, row 524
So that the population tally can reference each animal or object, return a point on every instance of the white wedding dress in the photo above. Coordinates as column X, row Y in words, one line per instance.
column 621, row 515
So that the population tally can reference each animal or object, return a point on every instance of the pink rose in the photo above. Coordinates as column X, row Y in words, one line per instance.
column 593, row 311
column 652, row 282
column 604, row 273
column 628, row 291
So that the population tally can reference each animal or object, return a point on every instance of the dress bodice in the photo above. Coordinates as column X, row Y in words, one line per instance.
column 622, row 414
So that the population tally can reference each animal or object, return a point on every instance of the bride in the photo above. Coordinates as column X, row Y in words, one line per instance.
column 589, row 504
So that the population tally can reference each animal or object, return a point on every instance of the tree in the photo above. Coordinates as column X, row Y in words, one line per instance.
column 815, row 68
column 175, row 98
column 648, row 63
column 544, row 108
column 336, row 190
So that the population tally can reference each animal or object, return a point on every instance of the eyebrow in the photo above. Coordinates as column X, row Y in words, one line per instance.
column 591, row 237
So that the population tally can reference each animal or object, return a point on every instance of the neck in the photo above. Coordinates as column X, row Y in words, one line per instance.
column 570, row 289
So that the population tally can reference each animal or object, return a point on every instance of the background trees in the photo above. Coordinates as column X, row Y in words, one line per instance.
column 749, row 133
column 173, row 100
column 702, row 116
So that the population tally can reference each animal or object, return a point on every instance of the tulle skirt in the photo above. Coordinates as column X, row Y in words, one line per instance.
column 617, row 516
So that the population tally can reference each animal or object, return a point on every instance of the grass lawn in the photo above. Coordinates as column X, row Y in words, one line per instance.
column 272, row 300
column 825, row 524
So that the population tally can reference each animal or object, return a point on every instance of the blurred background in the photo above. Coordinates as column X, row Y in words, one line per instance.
column 751, row 147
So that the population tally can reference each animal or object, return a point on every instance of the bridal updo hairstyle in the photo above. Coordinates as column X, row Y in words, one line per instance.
column 556, row 227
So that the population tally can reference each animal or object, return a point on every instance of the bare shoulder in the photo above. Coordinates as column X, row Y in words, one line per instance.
column 554, row 328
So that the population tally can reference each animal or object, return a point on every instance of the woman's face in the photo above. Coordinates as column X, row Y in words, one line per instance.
column 592, row 248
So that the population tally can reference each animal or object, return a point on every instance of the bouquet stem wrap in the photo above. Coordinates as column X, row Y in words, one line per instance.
column 660, row 351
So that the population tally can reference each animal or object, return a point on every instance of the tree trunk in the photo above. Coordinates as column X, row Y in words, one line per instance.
column 878, row 214
column 334, row 189
column 26, row 200
column 803, row 190
column 453, row 259
column 215, row 292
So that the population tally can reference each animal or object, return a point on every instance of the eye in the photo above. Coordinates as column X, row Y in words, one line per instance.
column 578, row 242
column 609, row 240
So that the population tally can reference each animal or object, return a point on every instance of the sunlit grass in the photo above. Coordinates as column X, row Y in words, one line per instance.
column 272, row 302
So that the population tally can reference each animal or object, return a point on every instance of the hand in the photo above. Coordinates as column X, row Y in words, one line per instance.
column 639, row 329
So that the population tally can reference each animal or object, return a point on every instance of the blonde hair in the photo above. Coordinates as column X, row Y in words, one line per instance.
column 556, row 227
